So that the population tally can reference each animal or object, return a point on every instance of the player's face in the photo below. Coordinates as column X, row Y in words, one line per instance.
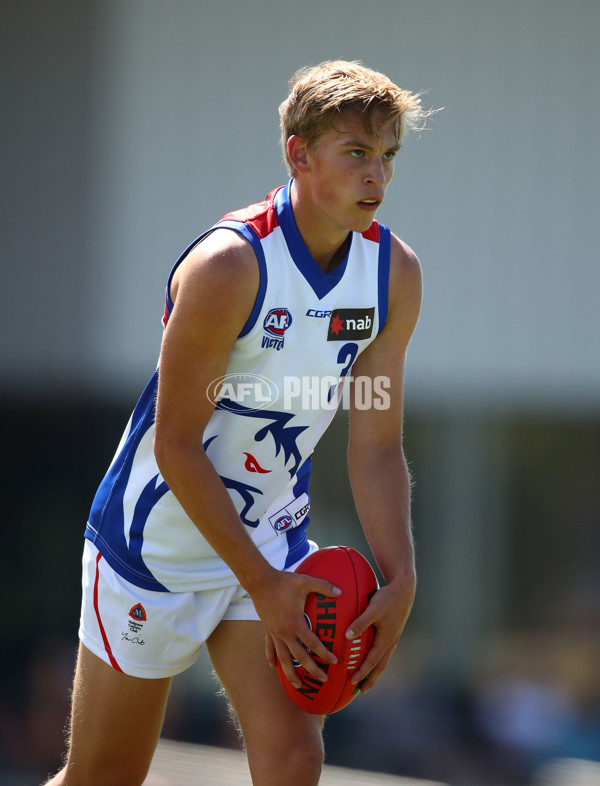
column 350, row 171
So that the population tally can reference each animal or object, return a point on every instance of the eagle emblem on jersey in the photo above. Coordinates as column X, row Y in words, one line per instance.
column 284, row 439
column 252, row 465
column 277, row 321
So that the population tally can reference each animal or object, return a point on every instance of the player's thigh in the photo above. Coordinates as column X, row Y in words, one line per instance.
column 115, row 724
column 264, row 710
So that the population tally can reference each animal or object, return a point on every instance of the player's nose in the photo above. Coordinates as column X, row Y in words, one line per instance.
column 376, row 173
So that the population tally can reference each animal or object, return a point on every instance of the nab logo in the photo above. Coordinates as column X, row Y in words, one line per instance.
column 276, row 323
column 350, row 323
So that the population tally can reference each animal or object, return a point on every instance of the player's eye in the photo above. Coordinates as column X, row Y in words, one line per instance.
column 390, row 155
column 357, row 153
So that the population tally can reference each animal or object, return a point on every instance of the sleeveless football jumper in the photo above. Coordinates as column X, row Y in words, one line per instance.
column 283, row 381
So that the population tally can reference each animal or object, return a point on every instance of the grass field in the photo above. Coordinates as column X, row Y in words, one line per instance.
column 183, row 764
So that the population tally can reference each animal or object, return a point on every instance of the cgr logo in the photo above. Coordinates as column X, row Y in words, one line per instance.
column 277, row 321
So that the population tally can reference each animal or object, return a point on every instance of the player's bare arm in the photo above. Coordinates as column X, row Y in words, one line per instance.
column 378, row 471
column 216, row 285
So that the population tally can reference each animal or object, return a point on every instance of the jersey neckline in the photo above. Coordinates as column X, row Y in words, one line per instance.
column 321, row 283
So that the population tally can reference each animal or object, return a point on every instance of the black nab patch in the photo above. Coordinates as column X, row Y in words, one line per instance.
column 350, row 323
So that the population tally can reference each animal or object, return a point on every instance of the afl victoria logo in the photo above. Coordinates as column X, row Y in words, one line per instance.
column 277, row 322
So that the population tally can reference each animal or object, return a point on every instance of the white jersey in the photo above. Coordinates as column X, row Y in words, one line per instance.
column 278, row 396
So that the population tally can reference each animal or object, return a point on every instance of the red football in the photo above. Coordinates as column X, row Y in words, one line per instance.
column 329, row 618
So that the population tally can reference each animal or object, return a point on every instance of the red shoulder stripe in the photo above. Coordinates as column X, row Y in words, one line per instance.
column 372, row 232
column 261, row 217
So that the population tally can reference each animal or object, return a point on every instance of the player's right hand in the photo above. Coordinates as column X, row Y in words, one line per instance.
column 280, row 605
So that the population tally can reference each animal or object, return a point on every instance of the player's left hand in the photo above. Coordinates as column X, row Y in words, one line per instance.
column 388, row 611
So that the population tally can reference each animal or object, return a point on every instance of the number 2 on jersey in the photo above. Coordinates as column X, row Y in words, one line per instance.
column 347, row 356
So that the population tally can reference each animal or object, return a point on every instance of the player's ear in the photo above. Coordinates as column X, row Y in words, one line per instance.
column 297, row 149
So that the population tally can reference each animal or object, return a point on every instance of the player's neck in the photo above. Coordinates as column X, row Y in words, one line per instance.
column 327, row 244
column 328, row 257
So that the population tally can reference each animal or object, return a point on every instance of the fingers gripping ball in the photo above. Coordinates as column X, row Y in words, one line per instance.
column 329, row 618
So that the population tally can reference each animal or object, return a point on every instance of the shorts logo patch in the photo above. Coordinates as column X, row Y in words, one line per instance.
column 138, row 613
column 350, row 323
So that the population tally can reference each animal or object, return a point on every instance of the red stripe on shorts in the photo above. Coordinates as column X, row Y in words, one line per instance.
column 111, row 657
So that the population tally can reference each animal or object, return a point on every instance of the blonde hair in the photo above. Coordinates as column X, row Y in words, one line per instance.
column 321, row 94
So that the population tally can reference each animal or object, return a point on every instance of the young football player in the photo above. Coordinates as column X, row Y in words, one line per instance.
column 196, row 528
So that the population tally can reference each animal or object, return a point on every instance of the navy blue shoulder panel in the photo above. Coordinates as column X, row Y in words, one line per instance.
column 248, row 233
column 383, row 274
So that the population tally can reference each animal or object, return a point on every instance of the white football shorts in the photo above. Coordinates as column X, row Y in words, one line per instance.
column 152, row 634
